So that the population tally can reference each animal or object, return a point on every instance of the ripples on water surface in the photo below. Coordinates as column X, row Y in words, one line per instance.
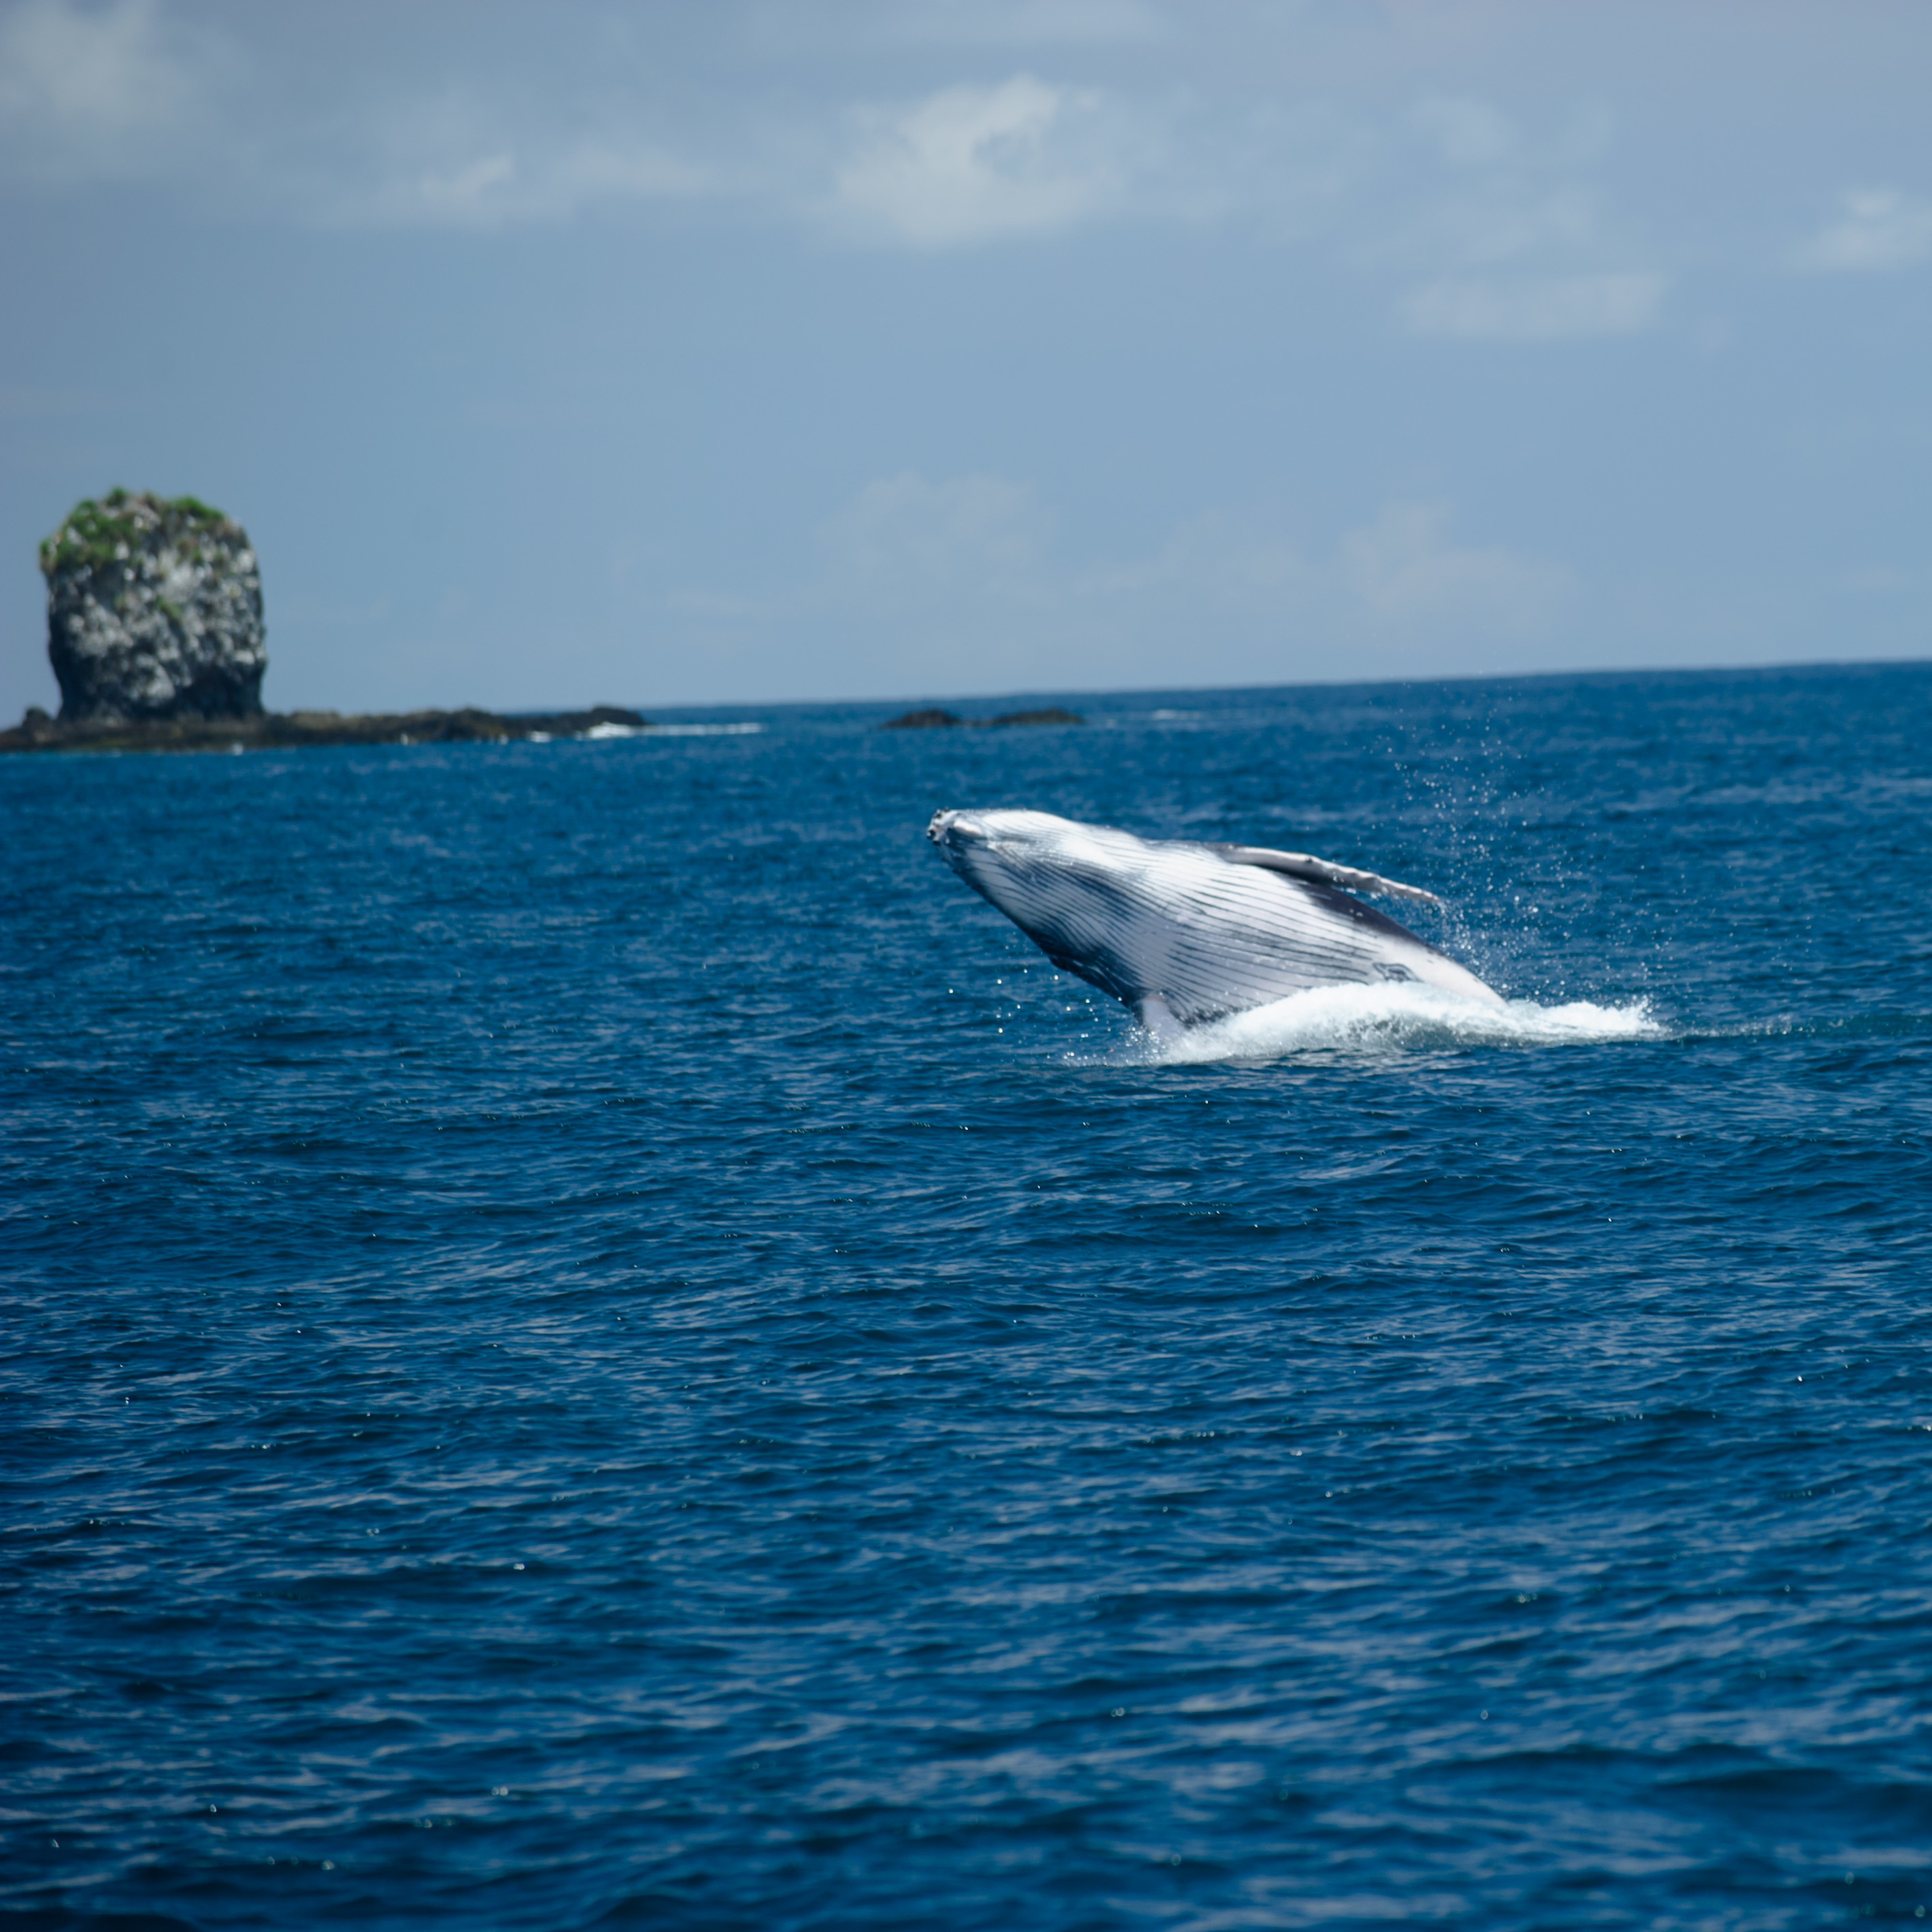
column 592, row 1340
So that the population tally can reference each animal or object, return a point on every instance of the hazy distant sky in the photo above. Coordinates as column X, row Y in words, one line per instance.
column 725, row 352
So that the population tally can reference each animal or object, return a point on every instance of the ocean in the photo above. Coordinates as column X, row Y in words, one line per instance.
column 592, row 1340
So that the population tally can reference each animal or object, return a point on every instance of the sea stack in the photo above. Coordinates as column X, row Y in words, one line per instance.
column 154, row 610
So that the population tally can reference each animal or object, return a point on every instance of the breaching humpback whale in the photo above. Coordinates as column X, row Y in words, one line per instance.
column 1182, row 933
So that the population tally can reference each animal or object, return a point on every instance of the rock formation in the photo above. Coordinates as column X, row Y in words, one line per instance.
column 272, row 731
column 154, row 610
column 933, row 719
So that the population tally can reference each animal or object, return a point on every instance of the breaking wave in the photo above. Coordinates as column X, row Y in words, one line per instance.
column 1385, row 1019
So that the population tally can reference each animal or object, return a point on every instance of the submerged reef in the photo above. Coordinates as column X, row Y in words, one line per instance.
column 154, row 611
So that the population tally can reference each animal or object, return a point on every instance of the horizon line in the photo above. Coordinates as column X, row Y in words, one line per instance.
column 1321, row 684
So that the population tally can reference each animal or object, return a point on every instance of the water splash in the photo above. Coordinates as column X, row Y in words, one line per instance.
column 1375, row 1020
column 672, row 731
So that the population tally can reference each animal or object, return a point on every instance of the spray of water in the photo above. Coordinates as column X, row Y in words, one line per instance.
column 1377, row 1020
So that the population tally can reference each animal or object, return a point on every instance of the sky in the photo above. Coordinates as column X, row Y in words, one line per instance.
column 745, row 352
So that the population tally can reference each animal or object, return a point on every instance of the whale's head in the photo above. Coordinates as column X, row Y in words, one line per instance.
column 1071, row 888
column 995, row 850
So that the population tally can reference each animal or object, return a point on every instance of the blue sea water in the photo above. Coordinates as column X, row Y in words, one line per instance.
column 591, row 1340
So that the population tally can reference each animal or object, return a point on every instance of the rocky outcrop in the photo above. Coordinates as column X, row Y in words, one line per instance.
column 273, row 731
column 933, row 719
column 154, row 610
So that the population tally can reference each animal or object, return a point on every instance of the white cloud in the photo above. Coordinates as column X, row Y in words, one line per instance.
column 411, row 126
column 416, row 128
column 100, row 95
column 957, row 584
column 464, row 195
column 105, row 72
column 1536, row 308
column 1234, row 564
column 1406, row 570
column 1877, row 228
column 1515, row 242
column 1511, row 223
column 138, row 90
column 1467, row 132
column 629, row 169
column 1020, row 22
column 904, row 540
column 975, row 164
column 498, row 188
column 1403, row 578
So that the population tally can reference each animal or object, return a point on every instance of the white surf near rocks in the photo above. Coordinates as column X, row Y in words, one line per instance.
column 1186, row 934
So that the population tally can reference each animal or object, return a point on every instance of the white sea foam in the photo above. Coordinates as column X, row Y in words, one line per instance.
column 1393, row 1019
column 669, row 731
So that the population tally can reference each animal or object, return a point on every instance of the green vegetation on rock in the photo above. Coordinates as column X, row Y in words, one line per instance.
column 97, row 531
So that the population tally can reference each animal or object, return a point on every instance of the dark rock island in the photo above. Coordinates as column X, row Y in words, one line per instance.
column 273, row 730
column 933, row 719
column 155, row 634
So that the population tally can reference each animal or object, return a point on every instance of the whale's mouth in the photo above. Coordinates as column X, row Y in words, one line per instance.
column 955, row 829
column 973, row 848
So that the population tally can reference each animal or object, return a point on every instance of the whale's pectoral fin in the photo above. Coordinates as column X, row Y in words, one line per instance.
column 1154, row 1016
column 1305, row 865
